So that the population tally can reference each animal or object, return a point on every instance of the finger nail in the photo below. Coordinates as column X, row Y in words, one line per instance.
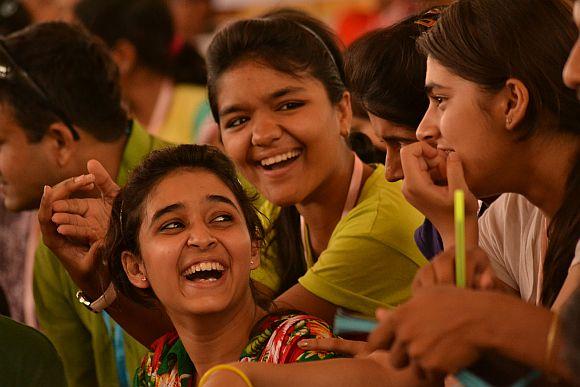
column 303, row 344
column 45, row 190
column 452, row 157
column 381, row 313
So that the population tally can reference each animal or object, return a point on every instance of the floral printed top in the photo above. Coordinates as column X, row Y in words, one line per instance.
column 274, row 339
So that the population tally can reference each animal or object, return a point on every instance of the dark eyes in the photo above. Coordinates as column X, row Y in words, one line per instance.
column 396, row 144
column 171, row 226
column 236, row 122
column 222, row 218
column 437, row 99
column 291, row 105
column 177, row 225
column 286, row 106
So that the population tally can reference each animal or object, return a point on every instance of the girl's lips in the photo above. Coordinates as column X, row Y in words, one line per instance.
column 280, row 169
column 209, row 283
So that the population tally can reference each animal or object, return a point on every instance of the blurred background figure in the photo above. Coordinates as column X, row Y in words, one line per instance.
column 18, row 231
column 49, row 10
column 355, row 23
column 155, row 90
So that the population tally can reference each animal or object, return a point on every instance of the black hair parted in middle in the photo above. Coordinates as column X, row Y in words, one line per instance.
column 287, row 40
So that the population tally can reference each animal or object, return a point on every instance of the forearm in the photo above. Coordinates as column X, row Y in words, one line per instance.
column 447, row 231
column 520, row 332
column 337, row 372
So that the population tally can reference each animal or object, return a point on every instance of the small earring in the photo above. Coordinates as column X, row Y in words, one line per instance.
column 143, row 278
column 508, row 121
column 251, row 262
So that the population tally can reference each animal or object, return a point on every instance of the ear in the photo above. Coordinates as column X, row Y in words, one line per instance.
column 517, row 102
column 124, row 54
column 255, row 255
column 135, row 270
column 61, row 142
column 344, row 111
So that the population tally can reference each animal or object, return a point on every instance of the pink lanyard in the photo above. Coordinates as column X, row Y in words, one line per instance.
column 161, row 108
column 353, row 192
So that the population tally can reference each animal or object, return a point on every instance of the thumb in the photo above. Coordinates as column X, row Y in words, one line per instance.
column 103, row 180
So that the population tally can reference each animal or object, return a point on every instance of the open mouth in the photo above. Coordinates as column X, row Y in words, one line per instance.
column 280, row 161
column 204, row 272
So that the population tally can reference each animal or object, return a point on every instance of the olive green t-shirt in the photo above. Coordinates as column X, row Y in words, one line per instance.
column 82, row 338
column 371, row 258
column 27, row 358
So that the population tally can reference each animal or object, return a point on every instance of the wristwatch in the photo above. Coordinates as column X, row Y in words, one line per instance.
column 100, row 303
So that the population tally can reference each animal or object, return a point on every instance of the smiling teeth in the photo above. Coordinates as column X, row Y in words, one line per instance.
column 276, row 159
column 204, row 266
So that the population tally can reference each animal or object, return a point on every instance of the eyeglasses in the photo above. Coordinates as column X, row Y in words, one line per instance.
column 9, row 70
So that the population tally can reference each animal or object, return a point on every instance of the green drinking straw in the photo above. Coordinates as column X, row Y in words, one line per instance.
column 459, row 205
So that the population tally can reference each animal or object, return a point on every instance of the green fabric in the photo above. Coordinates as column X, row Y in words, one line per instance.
column 371, row 257
column 27, row 358
column 80, row 336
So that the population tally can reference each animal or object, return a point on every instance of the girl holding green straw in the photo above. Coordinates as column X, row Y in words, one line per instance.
column 503, row 121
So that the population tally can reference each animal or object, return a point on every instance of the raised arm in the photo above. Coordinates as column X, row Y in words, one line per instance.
column 73, row 228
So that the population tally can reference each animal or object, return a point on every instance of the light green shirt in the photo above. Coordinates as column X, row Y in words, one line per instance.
column 80, row 336
column 371, row 257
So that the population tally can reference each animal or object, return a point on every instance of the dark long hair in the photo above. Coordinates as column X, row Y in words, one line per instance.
column 386, row 73
column 490, row 41
column 292, row 42
column 126, row 215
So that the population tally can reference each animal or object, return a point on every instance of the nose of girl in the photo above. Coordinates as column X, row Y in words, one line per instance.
column 201, row 238
column 427, row 131
column 265, row 131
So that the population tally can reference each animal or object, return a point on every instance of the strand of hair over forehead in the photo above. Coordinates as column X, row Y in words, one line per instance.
column 305, row 28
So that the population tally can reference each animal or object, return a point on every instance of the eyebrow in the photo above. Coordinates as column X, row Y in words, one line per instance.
column 431, row 85
column 221, row 199
column 272, row 96
column 285, row 91
column 170, row 208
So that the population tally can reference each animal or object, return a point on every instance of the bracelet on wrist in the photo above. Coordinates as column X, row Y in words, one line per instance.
column 225, row 367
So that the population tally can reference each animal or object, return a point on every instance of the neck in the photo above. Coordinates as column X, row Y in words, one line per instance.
column 217, row 338
column 322, row 210
column 141, row 91
column 550, row 162
column 109, row 154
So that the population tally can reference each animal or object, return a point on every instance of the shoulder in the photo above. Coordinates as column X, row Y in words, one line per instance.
column 382, row 217
column 382, row 206
column 275, row 338
column 510, row 216
column 167, row 363
column 23, row 336
column 28, row 358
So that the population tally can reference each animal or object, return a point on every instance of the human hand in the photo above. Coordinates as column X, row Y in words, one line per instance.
column 431, row 178
column 86, row 218
column 352, row 348
column 438, row 331
column 441, row 270
column 74, row 227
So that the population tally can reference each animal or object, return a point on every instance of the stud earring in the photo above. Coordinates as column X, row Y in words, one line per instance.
column 143, row 278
